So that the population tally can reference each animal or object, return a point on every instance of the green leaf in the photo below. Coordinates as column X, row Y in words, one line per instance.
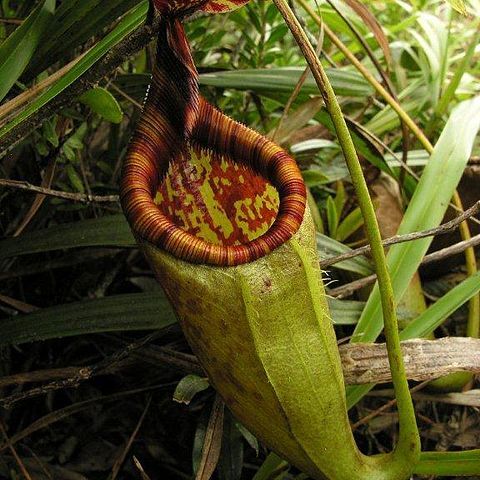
column 127, row 25
column 349, row 225
column 74, row 178
column 332, row 217
column 101, row 101
column 284, row 79
column 18, row 49
column 273, row 468
column 249, row 437
column 188, row 387
column 345, row 312
column 50, row 133
column 437, row 313
column 136, row 311
column 106, row 231
column 314, row 177
column 449, row 463
column 313, row 144
column 340, row 199
column 387, row 119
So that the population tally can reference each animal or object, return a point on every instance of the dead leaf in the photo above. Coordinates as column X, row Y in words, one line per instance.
column 369, row 19
column 213, row 441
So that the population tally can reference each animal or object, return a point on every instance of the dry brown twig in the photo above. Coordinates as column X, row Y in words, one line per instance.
column 365, row 363
column 76, row 197
column 14, row 453
column 385, row 407
column 81, row 374
column 121, row 459
column 452, row 250
column 442, row 229
column 350, row 288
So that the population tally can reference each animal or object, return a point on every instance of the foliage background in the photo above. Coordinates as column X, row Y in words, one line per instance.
column 58, row 252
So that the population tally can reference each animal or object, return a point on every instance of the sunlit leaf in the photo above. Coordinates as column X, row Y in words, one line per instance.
column 101, row 101
column 459, row 6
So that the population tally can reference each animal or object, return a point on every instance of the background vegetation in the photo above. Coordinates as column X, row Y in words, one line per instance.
column 86, row 387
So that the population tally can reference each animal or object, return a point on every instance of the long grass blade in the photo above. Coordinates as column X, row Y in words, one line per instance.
column 110, row 314
column 106, row 231
column 449, row 463
column 18, row 49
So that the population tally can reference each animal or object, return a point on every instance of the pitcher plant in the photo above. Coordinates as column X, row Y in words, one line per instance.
column 220, row 212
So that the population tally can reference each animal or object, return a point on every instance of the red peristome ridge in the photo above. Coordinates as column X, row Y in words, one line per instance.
column 221, row 6
column 169, row 7
column 174, row 119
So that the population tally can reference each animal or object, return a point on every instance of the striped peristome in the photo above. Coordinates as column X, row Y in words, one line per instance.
column 189, row 6
column 220, row 6
column 177, row 123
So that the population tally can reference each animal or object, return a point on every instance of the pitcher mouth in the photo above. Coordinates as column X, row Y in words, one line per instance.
column 157, row 217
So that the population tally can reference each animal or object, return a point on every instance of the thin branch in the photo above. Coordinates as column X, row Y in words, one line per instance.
column 65, row 412
column 385, row 407
column 121, row 459
column 17, row 304
column 350, row 288
column 76, row 197
column 442, row 229
column 452, row 250
column 107, row 365
column 12, row 21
